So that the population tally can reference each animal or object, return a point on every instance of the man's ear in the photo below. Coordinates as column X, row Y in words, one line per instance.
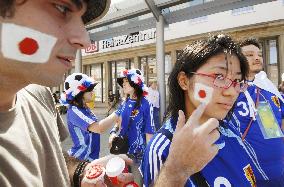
column 183, row 80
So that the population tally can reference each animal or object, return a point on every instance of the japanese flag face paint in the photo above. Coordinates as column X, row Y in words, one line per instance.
column 25, row 44
column 203, row 93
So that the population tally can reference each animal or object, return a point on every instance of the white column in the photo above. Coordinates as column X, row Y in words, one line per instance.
column 78, row 62
column 160, row 55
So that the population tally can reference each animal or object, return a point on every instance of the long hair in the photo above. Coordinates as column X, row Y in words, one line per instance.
column 191, row 59
column 7, row 8
column 78, row 99
column 138, row 92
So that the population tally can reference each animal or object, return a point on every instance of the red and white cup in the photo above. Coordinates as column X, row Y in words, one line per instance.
column 114, row 168
column 131, row 184
column 94, row 173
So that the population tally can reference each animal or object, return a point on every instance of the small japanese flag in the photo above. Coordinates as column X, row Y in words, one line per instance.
column 203, row 93
column 25, row 44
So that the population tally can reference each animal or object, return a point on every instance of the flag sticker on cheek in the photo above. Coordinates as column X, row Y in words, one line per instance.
column 203, row 93
column 25, row 44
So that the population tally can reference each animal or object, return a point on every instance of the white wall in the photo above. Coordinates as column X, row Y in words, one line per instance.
column 260, row 13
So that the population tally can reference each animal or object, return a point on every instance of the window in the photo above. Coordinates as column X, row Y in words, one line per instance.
column 115, row 69
column 272, row 52
column 270, row 59
column 149, row 68
column 96, row 71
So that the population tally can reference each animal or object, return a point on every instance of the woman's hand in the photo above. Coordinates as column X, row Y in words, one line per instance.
column 123, row 178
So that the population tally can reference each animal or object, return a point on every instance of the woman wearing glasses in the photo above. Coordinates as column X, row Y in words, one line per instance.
column 213, row 72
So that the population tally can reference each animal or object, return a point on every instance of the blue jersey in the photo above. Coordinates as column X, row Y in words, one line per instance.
column 231, row 166
column 268, row 152
column 136, row 122
column 86, row 145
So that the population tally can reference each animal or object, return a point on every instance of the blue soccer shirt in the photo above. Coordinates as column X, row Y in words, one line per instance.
column 86, row 145
column 268, row 152
column 231, row 167
column 136, row 122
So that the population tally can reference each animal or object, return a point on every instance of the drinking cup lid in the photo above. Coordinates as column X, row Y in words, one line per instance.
column 115, row 166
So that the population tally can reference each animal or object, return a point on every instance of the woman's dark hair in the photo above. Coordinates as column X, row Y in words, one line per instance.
column 138, row 92
column 7, row 8
column 191, row 59
column 78, row 99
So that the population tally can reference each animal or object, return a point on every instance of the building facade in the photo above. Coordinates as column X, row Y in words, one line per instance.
column 104, row 59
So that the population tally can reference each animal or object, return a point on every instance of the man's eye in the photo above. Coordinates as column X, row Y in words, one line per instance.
column 63, row 9
column 249, row 55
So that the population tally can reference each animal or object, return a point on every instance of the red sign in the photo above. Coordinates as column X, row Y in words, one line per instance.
column 92, row 48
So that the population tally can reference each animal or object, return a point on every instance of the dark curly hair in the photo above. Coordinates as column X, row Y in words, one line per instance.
column 191, row 59
column 94, row 8
column 138, row 92
column 250, row 41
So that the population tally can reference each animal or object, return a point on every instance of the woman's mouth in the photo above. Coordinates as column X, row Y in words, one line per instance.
column 226, row 106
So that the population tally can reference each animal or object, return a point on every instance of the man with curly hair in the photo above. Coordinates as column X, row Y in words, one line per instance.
column 258, row 115
column 38, row 42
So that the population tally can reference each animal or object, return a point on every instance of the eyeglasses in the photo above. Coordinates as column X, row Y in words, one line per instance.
column 225, row 83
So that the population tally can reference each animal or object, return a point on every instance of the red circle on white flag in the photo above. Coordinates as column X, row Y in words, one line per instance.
column 202, row 94
column 28, row 46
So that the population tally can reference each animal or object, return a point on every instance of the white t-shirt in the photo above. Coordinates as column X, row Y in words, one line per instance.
column 153, row 97
column 30, row 136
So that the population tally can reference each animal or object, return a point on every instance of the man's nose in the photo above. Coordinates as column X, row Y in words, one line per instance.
column 78, row 35
column 257, row 57
column 231, row 90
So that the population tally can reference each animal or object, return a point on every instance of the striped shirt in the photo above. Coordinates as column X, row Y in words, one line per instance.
column 268, row 152
column 136, row 122
column 231, row 167
column 86, row 145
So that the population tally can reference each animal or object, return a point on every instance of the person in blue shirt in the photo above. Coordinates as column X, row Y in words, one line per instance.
column 136, row 114
column 265, row 140
column 205, row 82
column 83, row 125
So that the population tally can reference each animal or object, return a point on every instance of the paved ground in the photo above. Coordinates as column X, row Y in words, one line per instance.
column 100, row 113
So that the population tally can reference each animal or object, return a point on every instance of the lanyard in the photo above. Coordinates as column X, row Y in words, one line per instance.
column 256, row 105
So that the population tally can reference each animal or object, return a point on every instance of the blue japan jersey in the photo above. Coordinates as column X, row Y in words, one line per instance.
column 268, row 152
column 86, row 145
column 140, row 122
column 231, row 166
